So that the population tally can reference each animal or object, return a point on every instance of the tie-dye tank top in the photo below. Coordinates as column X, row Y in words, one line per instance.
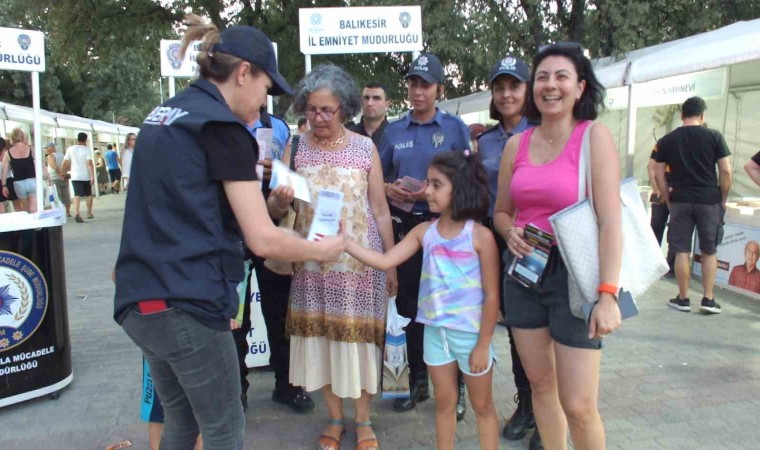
column 451, row 288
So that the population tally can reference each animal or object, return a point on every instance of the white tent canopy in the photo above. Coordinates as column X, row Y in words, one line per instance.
column 732, row 44
column 25, row 115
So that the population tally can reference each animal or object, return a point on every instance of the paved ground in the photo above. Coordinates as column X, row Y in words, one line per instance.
column 669, row 380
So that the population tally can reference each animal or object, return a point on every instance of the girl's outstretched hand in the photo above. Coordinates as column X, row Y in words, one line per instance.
column 605, row 317
column 479, row 359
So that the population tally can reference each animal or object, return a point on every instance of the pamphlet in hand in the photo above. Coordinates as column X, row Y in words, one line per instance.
column 283, row 176
column 529, row 269
column 410, row 185
column 626, row 303
column 327, row 214
column 265, row 139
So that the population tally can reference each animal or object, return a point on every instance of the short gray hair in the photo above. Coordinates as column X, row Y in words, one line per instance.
column 334, row 79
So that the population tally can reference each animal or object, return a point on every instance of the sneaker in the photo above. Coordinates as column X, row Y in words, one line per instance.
column 709, row 306
column 681, row 304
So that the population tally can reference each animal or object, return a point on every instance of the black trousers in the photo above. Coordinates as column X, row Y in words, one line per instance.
column 521, row 379
column 660, row 215
column 274, row 292
column 408, row 292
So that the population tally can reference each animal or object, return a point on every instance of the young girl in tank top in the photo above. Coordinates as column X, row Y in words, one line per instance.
column 459, row 292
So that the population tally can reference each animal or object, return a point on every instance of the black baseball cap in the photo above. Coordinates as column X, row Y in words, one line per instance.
column 250, row 44
column 428, row 67
column 510, row 65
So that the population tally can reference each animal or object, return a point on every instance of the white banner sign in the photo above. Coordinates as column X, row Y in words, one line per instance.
column 616, row 98
column 22, row 50
column 258, row 345
column 710, row 84
column 375, row 29
column 172, row 65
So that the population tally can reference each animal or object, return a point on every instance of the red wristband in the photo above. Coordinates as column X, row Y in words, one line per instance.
column 608, row 288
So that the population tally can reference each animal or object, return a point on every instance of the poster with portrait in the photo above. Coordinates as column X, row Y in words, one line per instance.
column 738, row 267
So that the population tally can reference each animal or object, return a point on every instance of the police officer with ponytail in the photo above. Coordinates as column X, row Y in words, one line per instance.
column 194, row 203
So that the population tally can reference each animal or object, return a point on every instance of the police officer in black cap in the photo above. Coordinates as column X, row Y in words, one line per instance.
column 194, row 202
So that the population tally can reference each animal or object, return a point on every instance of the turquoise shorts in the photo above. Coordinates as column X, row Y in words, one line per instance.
column 444, row 346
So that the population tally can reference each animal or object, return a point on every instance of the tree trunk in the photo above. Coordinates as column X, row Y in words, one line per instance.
column 535, row 19
column 575, row 29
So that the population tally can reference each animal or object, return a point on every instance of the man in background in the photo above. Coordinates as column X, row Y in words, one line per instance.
column 696, row 197
column 113, row 163
column 78, row 159
column 375, row 105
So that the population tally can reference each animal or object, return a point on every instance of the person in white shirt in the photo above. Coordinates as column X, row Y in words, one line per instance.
column 60, row 180
column 79, row 159
column 126, row 159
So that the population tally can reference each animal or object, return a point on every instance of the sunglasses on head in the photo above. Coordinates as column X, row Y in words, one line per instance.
column 567, row 46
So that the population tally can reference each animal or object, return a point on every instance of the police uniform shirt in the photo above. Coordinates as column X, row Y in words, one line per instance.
column 376, row 137
column 491, row 147
column 180, row 241
column 280, row 132
column 408, row 147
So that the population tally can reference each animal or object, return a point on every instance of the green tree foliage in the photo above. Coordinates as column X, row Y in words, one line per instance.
column 103, row 56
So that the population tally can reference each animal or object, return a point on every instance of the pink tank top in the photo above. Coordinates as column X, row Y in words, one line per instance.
column 538, row 191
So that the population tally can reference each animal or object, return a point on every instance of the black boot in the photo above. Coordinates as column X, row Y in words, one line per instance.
column 535, row 441
column 522, row 420
column 418, row 391
column 461, row 399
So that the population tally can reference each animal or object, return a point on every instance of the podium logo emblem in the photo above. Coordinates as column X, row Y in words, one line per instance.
column 23, row 299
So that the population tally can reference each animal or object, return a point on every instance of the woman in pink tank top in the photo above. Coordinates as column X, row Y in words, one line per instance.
column 539, row 177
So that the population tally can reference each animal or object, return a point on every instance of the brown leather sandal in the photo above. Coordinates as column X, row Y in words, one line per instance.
column 327, row 442
column 367, row 443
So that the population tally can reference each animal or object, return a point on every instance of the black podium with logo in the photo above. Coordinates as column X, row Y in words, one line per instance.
column 35, row 349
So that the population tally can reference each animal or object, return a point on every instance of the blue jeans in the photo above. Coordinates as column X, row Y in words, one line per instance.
column 195, row 372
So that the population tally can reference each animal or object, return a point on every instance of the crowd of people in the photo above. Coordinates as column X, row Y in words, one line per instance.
column 74, row 168
column 433, row 214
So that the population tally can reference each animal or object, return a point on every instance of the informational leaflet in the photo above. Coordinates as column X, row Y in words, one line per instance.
column 283, row 176
column 410, row 185
column 264, row 138
column 327, row 214
column 529, row 269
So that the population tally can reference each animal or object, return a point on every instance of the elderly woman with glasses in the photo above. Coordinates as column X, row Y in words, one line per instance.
column 336, row 317
column 538, row 178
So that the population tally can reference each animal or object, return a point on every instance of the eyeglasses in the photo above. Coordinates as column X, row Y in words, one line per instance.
column 567, row 46
column 327, row 116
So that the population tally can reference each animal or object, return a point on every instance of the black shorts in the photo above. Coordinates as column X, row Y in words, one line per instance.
column 684, row 217
column 115, row 174
column 11, row 190
column 548, row 305
column 82, row 188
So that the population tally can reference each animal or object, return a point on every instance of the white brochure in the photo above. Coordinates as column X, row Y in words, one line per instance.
column 265, row 139
column 327, row 214
column 283, row 176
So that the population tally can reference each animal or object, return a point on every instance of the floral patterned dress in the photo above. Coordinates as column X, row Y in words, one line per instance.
column 336, row 316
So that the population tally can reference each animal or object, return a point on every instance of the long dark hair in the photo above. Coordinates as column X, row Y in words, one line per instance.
column 592, row 99
column 469, row 183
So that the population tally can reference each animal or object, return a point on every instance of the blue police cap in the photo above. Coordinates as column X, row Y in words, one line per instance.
column 250, row 44
column 510, row 65
column 428, row 67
